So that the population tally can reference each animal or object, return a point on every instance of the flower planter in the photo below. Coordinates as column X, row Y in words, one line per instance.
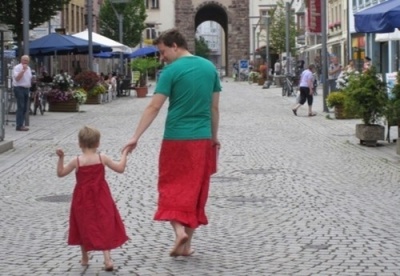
column 261, row 81
column 370, row 134
column 94, row 99
column 68, row 106
column 141, row 92
column 339, row 112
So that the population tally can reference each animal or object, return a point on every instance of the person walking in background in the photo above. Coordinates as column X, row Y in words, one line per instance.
column 350, row 68
column 306, row 90
column 367, row 64
column 22, row 81
column 190, row 142
column 94, row 223
column 333, row 73
column 277, row 68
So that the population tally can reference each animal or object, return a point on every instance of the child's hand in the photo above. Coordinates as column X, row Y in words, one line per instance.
column 60, row 153
column 125, row 151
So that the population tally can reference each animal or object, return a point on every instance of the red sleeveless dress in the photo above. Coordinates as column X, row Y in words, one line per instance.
column 94, row 221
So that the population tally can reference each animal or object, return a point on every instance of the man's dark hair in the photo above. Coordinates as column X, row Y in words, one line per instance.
column 169, row 37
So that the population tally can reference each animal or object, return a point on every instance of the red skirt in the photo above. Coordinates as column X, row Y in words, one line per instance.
column 185, row 168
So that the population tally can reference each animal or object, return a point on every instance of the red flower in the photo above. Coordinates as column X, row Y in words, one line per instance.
column 87, row 80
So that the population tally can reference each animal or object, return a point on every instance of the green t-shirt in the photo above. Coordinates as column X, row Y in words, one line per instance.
column 189, row 82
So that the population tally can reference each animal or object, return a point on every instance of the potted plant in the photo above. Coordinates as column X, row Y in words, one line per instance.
column 89, row 81
column 61, row 97
column 254, row 76
column 367, row 98
column 143, row 65
column 393, row 109
column 336, row 100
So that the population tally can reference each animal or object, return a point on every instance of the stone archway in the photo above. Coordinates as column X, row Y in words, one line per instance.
column 232, row 15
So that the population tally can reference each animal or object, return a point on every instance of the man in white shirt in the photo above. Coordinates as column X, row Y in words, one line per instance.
column 22, row 78
column 306, row 90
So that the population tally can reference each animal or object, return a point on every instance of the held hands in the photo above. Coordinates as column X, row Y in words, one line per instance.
column 60, row 153
column 130, row 146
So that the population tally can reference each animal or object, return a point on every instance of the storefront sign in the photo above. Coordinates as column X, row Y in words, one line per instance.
column 314, row 16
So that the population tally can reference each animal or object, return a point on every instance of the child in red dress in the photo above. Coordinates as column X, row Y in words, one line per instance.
column 95, row 223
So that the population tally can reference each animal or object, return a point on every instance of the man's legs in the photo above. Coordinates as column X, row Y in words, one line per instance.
column 21, row 95
column 180, row 239
column 332, row 86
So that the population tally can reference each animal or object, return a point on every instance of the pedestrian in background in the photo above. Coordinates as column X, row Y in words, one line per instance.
column 22, row 81
column 367, row 64
column 306, row 90
column 94, row 223
column 333, row 73
column 190, row 141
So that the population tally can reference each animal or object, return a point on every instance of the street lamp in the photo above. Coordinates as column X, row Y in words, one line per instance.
column 120, row 18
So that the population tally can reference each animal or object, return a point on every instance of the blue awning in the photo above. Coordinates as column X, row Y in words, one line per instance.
column 148, row 50
column 381, row 18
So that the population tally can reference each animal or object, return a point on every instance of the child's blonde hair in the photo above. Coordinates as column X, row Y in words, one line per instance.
column 89, row 137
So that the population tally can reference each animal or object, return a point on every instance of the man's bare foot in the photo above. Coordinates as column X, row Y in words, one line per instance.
column 187, row 252
column 179, row 245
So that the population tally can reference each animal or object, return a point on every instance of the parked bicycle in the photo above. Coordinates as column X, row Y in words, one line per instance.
column 39, row 99
column 290, row 86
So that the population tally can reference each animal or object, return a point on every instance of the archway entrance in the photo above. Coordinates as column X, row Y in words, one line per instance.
column 231, row 15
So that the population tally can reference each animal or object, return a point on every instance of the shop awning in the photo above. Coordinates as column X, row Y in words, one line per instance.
column 388, row 36
column 381, row 18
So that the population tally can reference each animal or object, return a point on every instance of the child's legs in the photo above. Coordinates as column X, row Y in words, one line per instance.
column 85, row 256
column 107, row 258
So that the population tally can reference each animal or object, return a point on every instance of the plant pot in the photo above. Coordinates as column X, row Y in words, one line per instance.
column 68, row 106
column 141, row 92
column 261, row 81
column 339, row 112
column 370, row 134
column 93, row 99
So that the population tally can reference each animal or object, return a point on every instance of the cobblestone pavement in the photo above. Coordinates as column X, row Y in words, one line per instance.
column 293, row 195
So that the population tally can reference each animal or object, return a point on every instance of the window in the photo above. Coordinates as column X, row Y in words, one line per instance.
column 151, row 32
column 154, row 4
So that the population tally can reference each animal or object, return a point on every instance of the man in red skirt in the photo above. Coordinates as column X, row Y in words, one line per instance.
column 190, row 143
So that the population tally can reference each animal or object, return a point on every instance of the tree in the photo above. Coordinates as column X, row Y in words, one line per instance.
column 40, row 11
column 134, row 15
column 201, row 48
column 278, row 26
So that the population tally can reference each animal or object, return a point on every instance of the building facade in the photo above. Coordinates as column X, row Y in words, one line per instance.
column 383, row 49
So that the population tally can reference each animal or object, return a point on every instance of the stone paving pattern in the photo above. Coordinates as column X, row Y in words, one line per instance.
column 293, row 195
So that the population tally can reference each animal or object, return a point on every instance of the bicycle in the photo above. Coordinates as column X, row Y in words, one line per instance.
column 38, row 97
column 290, row 86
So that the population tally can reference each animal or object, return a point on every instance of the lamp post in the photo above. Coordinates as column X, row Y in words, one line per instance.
column 254, row 42
column 267, row 59
column 287, row 27
column 90, row 29
column 325, row 91
column 25, row 17
column 120, row 18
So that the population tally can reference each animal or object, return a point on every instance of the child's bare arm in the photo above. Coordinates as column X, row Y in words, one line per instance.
column 61, row 169
column 117, row 166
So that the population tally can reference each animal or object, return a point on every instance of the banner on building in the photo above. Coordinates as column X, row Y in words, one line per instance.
column 314, row 16
column 391, row 82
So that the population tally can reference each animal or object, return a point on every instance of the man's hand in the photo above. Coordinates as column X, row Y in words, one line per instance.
column 131, row 145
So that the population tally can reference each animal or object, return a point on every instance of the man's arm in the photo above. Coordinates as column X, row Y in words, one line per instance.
column 215, row 118
column 149, row 114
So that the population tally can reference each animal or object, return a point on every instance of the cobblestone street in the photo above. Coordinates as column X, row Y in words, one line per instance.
column 293, row 195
